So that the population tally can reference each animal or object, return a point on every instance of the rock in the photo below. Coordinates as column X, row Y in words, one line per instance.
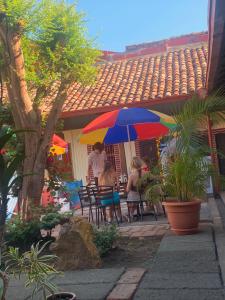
column 75, row 247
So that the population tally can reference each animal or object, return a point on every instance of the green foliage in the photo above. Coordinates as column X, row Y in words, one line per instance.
column 54, row 41
column 151, row 186
column 22, row 234
column 8, row 164
column 186, row 177
column 49, row 221
column 187, row 171
column 38, row 211
column 37, row 268
column 192, row 120
column 105, row 238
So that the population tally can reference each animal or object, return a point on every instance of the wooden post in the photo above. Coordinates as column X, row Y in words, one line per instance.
column 216, row 182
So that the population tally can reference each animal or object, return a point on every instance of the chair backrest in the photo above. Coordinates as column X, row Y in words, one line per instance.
column 84, row 195
column 104, row 193
column 122, row 190
column 92, row 189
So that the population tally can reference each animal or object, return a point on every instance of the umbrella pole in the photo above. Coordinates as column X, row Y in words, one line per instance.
column 128, row 136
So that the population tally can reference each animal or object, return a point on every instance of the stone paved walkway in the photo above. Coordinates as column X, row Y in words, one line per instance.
column 185, row 267
column 93, row 284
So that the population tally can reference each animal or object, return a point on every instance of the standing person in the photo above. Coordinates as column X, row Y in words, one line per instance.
column 96, row 161
column 108, row 178
column 133, row 197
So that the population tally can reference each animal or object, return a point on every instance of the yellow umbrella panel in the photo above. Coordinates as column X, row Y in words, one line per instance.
column 92, row 137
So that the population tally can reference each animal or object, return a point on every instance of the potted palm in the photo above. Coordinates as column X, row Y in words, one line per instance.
column 186, row 170
column 185, row 185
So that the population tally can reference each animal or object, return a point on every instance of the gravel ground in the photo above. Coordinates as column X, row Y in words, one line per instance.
column 132, row 252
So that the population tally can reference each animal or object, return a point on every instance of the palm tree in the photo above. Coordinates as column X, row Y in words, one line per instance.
column 194, row 123
column 193, row 120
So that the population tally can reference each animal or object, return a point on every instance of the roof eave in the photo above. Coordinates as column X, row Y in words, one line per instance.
column 216, row 36
column 146, row 104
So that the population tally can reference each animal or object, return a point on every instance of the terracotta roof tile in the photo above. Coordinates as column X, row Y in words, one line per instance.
column 180, row 70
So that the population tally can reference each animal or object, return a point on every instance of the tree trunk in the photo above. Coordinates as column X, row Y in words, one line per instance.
column 26, row 116
column 33, row 171
column 3, row 213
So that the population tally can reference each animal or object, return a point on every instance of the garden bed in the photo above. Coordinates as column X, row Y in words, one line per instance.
column 132, row 252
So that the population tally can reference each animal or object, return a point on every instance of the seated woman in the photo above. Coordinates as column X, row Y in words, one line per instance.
column 108, row 178
column 133, row 197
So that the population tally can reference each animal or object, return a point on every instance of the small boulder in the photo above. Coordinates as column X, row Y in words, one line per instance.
column 75, row 247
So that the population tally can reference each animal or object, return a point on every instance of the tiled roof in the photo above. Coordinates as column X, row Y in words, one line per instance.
column 144, row 73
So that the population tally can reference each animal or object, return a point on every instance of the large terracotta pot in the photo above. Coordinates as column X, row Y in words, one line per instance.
column 62, row 296
column 183, row 216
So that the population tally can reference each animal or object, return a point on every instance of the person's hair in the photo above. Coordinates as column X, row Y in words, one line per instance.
column 146, row 160
column 107, row 167
column 106, row 175
column 98, row 146
column 136, row 163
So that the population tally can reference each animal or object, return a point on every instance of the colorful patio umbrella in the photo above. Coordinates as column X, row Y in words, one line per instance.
column 125, row 125
column 59, row 146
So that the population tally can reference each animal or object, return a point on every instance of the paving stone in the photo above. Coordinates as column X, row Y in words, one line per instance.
column 185, row 256
column 181, row 294
column 21, row 293
column 79, row 277
column 94, row 284
column 122, row 292
column 186, row 246
column 183, row 263
column 97, row 291
column 181, row 281
column 133, row 275
column 205, row 214
column 205, row 235
column 90, row 276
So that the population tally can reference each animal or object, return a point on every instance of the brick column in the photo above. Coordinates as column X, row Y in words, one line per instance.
column 89, row 149
column 137, row 148
column 117, row 159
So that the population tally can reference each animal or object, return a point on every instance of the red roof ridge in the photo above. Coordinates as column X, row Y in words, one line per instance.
column 158, row 47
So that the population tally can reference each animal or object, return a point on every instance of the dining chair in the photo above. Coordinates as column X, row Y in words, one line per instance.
column 86, row 201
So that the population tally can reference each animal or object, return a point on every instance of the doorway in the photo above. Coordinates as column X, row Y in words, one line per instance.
column 149, row 149
column 220, row 143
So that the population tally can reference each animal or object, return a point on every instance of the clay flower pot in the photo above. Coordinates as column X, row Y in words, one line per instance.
column 62, row 296
column 183, row 216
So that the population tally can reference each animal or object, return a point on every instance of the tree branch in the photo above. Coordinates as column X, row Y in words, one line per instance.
column 17, row 86
column 53, row 118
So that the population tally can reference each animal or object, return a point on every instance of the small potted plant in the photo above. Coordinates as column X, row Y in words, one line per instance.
column 38, row 270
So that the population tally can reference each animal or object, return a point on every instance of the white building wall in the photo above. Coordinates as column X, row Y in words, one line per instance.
column 78, row 154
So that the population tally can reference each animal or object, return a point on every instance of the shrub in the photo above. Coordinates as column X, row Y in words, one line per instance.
column 22, row 234
column 49, row 221
column 105, row 238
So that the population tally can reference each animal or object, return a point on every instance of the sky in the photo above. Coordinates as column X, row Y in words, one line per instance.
column 117, row 23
